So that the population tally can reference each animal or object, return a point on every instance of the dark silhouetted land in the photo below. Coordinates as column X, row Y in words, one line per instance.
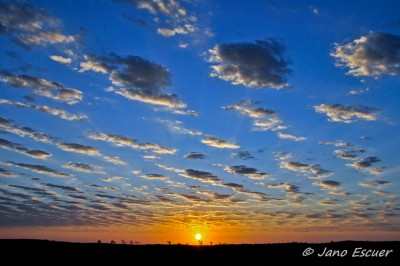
column 380, row 253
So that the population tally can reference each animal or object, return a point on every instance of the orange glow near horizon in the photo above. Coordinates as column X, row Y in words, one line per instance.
column 91, row 235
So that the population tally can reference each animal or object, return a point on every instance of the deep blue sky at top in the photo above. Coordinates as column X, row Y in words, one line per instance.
column 331, row 144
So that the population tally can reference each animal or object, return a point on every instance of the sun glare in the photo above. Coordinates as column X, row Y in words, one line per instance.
column 198, row 236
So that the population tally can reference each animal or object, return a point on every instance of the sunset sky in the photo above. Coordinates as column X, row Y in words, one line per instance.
column 156, row 120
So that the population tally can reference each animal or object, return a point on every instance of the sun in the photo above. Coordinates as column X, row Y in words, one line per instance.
column 198, row 236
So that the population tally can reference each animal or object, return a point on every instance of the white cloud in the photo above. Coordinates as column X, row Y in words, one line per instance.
column 338, row 143
column 46, row 109
column 183, row 45
column 250, row 172
column 313, row 171
column 44, row 38
column 219, row 143
column 93, row 66
column 83, row 167
column 263, row 118
column 16, row 147
column 112, row 179
column 254, row 65
column 365, row 165
column 43, row 87
column 121, row 141
column 135, row 78
column 347, row 114
column 202, row 176
column 115, row 160
column 186, row 112
column 170, row 16
column 376, row 54
column 374, row 183
column 167, row 100
column 41, row 169
column 329, row 184
column 61, row 59
column 166, row 32
column 155, row 177
column 30, row 26
column 290, row 137
column 79, row 148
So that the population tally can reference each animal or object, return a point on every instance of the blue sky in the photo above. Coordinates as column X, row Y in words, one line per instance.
column 209, row 116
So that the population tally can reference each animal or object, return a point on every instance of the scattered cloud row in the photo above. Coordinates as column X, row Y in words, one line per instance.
column 29, row 26
column 42, row 87
column 16, row 147
column 9, row 126
column 46, row 109
column 121, row 141
column 170, row 16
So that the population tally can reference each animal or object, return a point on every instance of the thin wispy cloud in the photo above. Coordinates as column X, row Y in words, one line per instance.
column 46, row 109
column 41, row 169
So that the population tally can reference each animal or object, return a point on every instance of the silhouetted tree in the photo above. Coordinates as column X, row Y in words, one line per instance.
column 169, row 242
column 210, row 243
column 123, row 242
column 131, row 242
column 113, row 242
column 99, row 241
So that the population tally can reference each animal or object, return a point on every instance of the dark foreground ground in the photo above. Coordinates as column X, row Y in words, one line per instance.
column 43, row 251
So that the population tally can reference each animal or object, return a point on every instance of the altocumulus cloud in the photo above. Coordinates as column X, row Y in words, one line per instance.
column 29, row 26
column 258, row 64
column 347, row 114
column 8, row 125
column 122, row 141
column 42, row 87
column 376, row 54
column 219, row 143
column 263, row 118
column 171, row 16
column 366, row 164
column 83, row 167
column 250, row 172
column 16, row 147
column 39, row 169
column 47, row 109
column 328, row 184
column 200, row 175
column 194, row 155
column 315, row 171
column 137, row 79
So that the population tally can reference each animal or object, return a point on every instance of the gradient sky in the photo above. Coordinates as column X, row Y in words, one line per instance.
column 245, row 121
